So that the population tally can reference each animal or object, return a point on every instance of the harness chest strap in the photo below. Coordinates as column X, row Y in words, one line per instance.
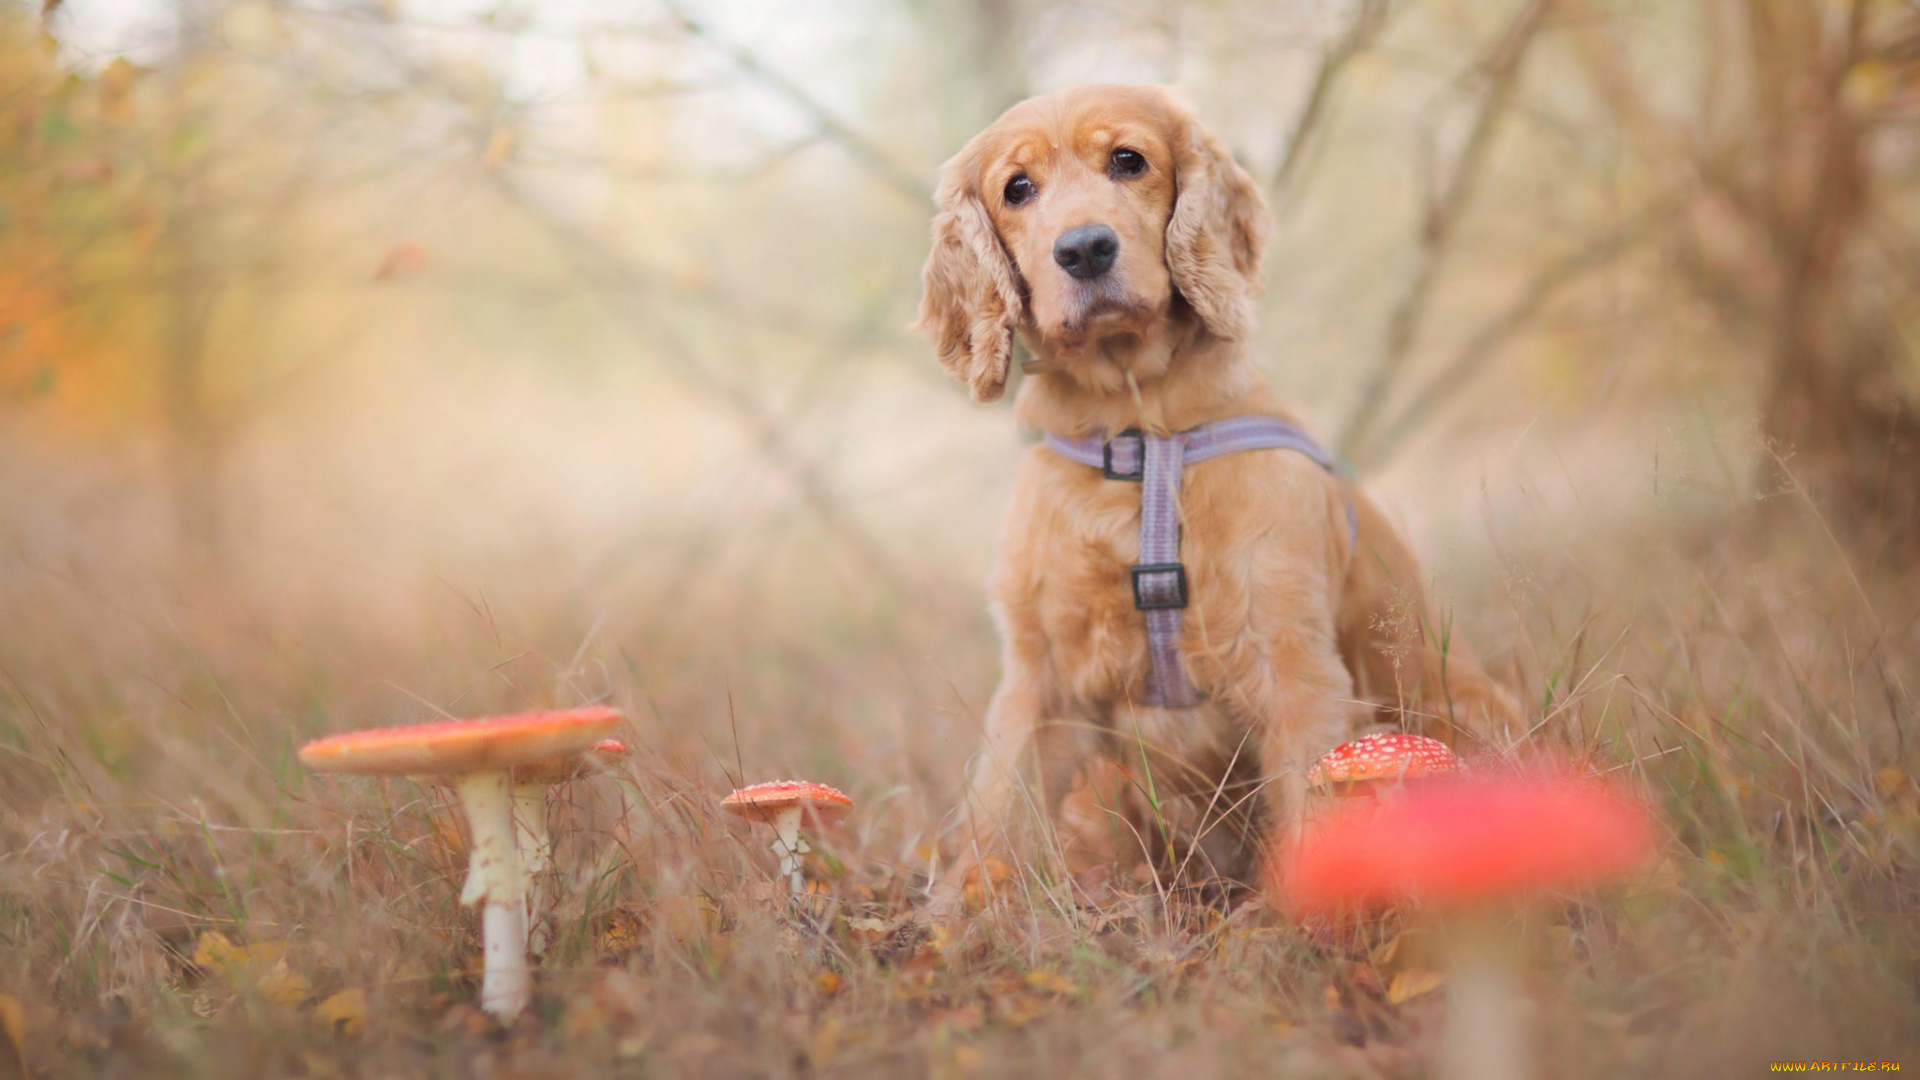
column 1157, row 462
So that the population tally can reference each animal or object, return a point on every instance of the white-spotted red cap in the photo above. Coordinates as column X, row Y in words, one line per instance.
column 459, row 747
column 1389, row 757
column 760, row 802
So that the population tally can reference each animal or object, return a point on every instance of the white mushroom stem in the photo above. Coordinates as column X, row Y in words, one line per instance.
column 536, row 851
column 496, row 884
column 1484, row 1037
column 789, row 846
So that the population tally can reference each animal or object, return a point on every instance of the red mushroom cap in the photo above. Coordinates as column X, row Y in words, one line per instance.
column 761, row 802
column 1351, row 768
column 1469, row 840
column 455, row 747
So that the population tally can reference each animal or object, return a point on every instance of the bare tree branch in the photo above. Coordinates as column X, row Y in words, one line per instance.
column 1501, row 70
column 1485, row 344
column 862, row 149
column 774, row 440
column 1369, row 20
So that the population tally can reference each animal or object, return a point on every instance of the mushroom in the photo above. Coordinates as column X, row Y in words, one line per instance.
column 1476, row 848
column 781, row 803
column 531, row 835
column 478, row 756
column 1365, row 765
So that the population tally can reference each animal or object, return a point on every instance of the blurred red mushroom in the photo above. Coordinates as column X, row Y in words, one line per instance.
column 1474, row 848
column 781, row 803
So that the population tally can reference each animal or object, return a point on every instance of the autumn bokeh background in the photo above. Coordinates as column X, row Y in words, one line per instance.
column 363, row 361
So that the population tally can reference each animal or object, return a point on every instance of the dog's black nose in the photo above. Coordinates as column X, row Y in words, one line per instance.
column 1087, row 252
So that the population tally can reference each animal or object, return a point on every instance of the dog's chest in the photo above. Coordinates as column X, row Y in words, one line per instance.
column 1065, row 578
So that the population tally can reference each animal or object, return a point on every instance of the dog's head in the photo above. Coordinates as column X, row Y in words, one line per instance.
column 1086, row 216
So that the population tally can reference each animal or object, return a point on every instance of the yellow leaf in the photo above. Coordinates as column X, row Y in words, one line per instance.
column 214, row 949
column 827, row 982
column 983, row 881
column 1413, row 982
column 621, row 936
column 261, row 967
column 282, row 985
column 344, row 1014
column 13, row 1023
column 1048, row 981
column 939, row 938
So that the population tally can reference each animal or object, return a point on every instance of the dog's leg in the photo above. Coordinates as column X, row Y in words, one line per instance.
column 1298, row 701
column 1016, row 784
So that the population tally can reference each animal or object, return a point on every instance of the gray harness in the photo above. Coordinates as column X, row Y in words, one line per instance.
column 1156, row 462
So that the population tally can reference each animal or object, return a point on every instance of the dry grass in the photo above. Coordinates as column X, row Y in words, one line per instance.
column 1753, row 681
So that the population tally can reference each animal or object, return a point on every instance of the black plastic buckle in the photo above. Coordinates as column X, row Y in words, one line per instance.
column 1179, row 572
column 1106, row 456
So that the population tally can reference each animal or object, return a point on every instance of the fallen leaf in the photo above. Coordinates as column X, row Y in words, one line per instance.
column 620, row 937
column 260, row 968
column 282, row 985
column 1049, row 981
column 984, row 880
column 344, row 1014
column 1412, row 983
column 828, row 983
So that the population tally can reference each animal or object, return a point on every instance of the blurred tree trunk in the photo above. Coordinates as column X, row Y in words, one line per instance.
column 1834, row 410
column 1790, row 202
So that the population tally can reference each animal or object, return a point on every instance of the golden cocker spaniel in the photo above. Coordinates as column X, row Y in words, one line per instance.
column 1115, row 237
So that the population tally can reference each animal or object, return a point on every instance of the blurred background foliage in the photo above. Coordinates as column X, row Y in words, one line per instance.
column 392, row 283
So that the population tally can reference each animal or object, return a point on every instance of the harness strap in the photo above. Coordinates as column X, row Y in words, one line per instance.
column 1157, row 462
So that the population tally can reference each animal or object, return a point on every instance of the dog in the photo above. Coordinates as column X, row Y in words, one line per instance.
column 1115, row 237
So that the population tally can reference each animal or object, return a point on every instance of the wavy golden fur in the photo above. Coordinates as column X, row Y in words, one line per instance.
column 1294, row 635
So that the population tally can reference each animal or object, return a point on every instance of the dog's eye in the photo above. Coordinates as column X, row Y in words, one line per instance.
column 1127, row 162
column 1019, row 190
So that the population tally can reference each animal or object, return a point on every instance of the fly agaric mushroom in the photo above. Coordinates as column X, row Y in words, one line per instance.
column 1475, row 847
column 781, row 803
column 1363, row 766
column 478, row 756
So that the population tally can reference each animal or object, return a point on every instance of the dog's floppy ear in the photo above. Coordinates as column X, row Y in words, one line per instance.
column 969, row 299
column 1217, row 236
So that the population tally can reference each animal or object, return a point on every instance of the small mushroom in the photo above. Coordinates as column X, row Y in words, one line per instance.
column 1475, row 848
column 478, row 756
column 781, row 803
column 1365, row 765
